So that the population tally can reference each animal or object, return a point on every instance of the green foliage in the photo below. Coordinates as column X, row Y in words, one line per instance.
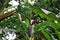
column 30, row 12
column 3, row 4
column 51, row 5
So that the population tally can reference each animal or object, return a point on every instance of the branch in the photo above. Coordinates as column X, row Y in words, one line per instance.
column 6, row 15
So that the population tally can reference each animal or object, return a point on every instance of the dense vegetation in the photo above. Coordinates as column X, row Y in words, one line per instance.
column 43, row 27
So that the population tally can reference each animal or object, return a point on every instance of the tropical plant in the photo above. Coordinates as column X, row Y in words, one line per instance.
column 29, row 20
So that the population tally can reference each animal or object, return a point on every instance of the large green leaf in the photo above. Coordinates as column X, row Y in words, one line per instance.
column 50, row 17
column 39, row 12
column 46, row 33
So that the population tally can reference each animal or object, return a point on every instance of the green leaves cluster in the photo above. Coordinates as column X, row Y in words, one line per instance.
column 3, row 4
column 51, row 5
column 28, row 13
